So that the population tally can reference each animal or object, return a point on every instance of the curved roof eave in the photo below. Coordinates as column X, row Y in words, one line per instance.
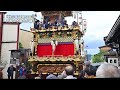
column 113, row 30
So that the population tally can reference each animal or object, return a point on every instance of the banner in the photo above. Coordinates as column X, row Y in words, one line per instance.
column 84, row 26
column 80, row 19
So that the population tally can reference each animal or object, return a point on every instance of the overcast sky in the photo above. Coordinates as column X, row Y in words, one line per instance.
column 99, row 24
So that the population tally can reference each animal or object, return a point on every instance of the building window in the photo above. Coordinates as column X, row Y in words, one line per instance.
column 114, row 49
column 110, row 61
column 115, row 61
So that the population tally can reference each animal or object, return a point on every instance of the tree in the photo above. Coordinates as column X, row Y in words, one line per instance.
column 20, row 45
column 98, row 57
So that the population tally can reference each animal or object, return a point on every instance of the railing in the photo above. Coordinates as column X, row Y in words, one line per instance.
column 53, row 28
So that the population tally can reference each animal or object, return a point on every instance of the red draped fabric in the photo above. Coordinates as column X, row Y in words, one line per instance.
column 64, row 49
column 44, row 50
column 61, row 49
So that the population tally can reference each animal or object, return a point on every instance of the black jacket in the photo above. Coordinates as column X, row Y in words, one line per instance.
column 11, row 70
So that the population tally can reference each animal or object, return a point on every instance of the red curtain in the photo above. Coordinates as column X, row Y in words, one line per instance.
column 44, row 50
column 61, row 49
column 64, row 49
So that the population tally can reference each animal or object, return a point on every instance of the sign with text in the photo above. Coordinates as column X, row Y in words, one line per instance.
column 20, row 18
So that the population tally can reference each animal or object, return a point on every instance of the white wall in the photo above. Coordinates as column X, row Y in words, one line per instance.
column 25, row 38
column 9, row 32
column 5, row 55
column 111, row 61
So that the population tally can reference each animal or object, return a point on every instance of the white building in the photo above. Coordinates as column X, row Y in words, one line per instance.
column 9, row 40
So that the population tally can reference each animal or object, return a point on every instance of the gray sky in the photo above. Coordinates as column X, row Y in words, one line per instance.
column 99, row 24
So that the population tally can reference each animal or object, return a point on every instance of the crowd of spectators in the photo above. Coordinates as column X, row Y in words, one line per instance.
column 47, row 23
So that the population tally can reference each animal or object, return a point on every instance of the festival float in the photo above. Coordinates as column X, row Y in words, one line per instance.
column 57, row 46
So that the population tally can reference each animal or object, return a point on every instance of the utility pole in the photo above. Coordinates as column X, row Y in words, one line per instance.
column 86, row 55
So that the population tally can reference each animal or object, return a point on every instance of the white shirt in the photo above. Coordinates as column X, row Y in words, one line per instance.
column 70, row 77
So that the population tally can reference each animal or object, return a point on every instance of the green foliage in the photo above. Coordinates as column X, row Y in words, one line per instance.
column 20, row 45
column 29, row 67
column 98, row 57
